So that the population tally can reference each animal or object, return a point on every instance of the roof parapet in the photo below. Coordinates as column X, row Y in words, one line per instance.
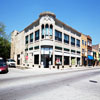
column 47, row 13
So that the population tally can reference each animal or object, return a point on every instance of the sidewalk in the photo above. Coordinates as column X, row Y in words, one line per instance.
column 15, row 72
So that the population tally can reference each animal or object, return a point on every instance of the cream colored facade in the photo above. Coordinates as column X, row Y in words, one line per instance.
column 53, row 42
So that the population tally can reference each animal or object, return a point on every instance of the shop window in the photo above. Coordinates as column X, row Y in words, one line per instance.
column 66, row 60
column 36, row 59
column 57, row 57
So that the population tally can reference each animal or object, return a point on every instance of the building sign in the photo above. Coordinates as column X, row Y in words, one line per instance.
column 26, row 57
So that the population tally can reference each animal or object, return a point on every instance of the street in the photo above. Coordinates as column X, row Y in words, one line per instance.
column 51, row 85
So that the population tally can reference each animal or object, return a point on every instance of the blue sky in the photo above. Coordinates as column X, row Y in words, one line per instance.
column 82, row 15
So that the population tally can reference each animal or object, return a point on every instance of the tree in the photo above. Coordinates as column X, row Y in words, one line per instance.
column 4, row 43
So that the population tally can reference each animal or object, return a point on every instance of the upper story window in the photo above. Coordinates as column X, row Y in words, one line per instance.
column 43, row 31
column 72, row 41
column 66, row 38
column 83, row 51
column 58, row 35
column 26, row 39
column 59, row 48
column 37, row 35
column 82, row 42
column 47, row 30
column 72, row 51
column 51, row 30
column 89, row 43
column 99, row 49
column 85, row 43
column 31, row 37
column 78, row 43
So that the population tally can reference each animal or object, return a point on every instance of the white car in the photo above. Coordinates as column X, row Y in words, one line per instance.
column 11, row 63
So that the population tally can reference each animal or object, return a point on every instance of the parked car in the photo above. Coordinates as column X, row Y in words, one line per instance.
column 3, row 66
column 11, row 63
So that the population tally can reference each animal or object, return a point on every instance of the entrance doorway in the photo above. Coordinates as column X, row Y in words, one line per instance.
column 46, row 60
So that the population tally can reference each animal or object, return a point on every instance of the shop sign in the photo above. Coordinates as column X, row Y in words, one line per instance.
column 26, row 57
column 58, row 61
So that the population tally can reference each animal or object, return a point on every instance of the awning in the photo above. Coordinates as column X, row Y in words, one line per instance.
column 90, row 57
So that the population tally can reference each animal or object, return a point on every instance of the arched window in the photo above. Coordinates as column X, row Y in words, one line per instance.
column 51, row 30
column 46, row 28
column 42, row 31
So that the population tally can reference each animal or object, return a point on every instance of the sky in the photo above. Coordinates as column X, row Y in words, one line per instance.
column 82, row 15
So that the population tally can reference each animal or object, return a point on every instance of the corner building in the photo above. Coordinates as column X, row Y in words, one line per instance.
column 46, row 43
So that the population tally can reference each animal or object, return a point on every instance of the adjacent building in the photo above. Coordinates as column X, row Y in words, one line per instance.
column 47, row 43
column 84, row 49
column 96, row 54
column 89, row 51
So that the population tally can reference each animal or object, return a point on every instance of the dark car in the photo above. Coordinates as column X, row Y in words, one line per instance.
column 3, row 66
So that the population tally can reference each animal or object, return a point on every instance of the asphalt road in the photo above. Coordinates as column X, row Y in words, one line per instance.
column 38, row 87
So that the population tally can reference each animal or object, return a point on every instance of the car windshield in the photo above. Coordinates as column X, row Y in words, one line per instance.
column 2, row 64
column 11, row 60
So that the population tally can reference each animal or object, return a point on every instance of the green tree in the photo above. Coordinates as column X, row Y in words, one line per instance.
column 4, row 43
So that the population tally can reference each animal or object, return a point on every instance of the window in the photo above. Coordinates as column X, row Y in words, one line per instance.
column 26, row 39
column 58, row 35
column 85, row 43
column 31, row 37
column 26, row 49
column 78, row 43
column 82, row 42
column 37, row 35
column 51, row 30
column 31, row 48
column 66, row 38
column 78, row 52
column 58, row 57
column 43, row 31
column 59, row 48
column 36, row 47
column 83, row 51
column 72, row 41
column 36, row 59
column 47, row 30
column 72, row 51
column 66, row 60
column 65, row 49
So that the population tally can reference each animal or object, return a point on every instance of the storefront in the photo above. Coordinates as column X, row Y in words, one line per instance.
column 90, row 60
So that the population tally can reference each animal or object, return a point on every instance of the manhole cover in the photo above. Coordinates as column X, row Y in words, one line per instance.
column 93, row 81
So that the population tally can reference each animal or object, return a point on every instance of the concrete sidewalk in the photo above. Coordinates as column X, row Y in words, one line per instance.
column 15, row 72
